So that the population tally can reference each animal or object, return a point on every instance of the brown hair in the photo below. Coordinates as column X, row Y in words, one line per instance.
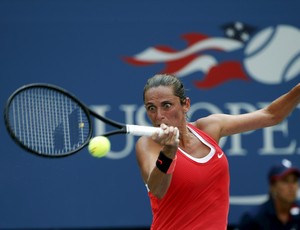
column 166, row 80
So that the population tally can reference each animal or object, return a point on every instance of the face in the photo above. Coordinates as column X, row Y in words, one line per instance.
column 163, row 106
column 285, row 189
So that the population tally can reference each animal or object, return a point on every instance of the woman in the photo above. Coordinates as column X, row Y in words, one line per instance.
column 188, row 178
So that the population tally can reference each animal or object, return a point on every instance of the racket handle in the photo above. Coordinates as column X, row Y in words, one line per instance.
column 139, row 130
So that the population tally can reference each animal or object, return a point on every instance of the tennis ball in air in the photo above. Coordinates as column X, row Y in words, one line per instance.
column 99, row 146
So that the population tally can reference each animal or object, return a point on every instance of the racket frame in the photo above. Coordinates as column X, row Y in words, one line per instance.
column 121, row 128
column 60, row 90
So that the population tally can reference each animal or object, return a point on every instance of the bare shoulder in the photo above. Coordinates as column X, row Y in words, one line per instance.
column 212, row 125
column 211, row 120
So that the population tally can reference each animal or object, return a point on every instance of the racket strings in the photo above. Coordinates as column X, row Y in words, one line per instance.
column 48, row 122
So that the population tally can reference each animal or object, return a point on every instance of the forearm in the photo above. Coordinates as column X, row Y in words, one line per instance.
column 159, row 182
column 284, row 105
column 157, row 159
column 161, row 174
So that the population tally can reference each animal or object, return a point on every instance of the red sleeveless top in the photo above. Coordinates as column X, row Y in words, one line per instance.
column 198, row 196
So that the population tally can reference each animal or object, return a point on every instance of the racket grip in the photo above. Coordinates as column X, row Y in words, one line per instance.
column 139, row 130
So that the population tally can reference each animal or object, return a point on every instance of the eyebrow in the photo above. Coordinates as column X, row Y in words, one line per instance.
column 161, row 103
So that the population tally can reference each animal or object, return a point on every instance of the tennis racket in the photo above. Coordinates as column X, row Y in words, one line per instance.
column 48, row 121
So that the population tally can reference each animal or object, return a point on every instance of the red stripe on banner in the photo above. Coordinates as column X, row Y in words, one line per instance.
column 193, row 38
column 165, row 49
column 137, row 62
column 176, row 65
column 221, row 73
column 134, row 61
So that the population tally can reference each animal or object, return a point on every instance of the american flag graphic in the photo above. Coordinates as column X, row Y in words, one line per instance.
column 198, row 57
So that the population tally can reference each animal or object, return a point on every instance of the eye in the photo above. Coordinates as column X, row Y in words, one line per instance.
column 150, row 108
column 167, row 105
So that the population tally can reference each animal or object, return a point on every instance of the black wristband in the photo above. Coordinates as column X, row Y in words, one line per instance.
column 163, row 162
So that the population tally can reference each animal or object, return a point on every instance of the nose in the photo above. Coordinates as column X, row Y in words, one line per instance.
column 160, row 114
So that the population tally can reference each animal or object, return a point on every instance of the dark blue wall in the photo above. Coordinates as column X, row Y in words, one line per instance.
column 88, row 47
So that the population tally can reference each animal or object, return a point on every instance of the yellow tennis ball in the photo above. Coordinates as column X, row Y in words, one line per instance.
column 99, row 146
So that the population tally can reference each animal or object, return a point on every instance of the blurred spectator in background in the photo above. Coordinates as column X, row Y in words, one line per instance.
column 281, row 211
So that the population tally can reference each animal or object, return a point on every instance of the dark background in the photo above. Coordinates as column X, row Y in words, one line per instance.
column 80, row 46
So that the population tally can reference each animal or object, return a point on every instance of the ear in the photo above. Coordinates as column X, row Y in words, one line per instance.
column 187, row 104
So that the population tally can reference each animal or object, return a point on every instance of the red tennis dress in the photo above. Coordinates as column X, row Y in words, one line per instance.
column 198, row 196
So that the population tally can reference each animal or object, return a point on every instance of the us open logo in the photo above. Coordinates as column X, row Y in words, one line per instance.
column 269, row 56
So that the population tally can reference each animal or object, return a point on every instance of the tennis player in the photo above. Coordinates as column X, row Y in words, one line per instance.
column 188, row 179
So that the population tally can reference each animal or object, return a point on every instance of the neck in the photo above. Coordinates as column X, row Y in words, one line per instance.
column 185, row 137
